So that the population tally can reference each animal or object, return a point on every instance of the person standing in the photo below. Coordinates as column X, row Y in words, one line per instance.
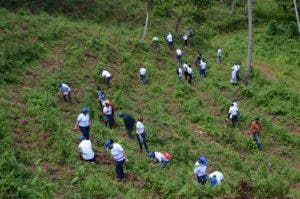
column 237, row 67
column 198, row 59
column 86, row 150
column 179, row 56
column 233, row 79
column 185, row 39
column 107, row 77
column 219, row 56
column 66, row 92
column 200, row 170
column 118, row 155
column 163, row 158
column 233, row 115
column 83, row 122
column 140, row 134
column 255, row 129
column 190, row 74
column 101, row 97
column 108, row 115
column 143, row 76
column 129, row 123
column 202, row 68
column 170, row 40
column 179, row 73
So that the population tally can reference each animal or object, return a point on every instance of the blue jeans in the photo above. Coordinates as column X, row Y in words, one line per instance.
column 202, row 72
column 119, row 169
column 234, row 120
column 257, row 141
column 143, row 78
column 85, row 131
column 142, row 140
column 179, row 58
column 202, row 179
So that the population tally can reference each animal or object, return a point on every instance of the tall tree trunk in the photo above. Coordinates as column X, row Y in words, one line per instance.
column 146, row 27
column 177, row 25
column 297, row 16
column 250, row 37
column 232, row 6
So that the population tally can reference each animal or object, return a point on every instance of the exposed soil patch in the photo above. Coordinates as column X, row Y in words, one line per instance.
column 266, row 71
column 102, row 158
column 245, row 190
column 132, row 178
column 50, row 64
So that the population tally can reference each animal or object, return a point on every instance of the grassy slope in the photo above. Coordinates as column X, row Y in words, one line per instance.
column 185, row 120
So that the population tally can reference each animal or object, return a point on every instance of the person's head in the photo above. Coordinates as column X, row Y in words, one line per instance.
column 99, row 88
column 236, row 63
column 186, row 62
column 151, row 155
column 233, row 100
column 140, row 118
column 101, row 70
column 203, row 59
column 85, row 110
column 213, row 181
column 257, row 119
column 121, row 114
column 232, row 104
column 81, row 138
column 108, row 144
column 202, row 160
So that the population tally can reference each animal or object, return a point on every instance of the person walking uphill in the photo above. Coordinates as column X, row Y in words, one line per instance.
column 129, row 123
column 107, row 77
column 170, row 40
column 200, row 170
column 66, row 92
column 179, row 56
column 108, row 115
column 83, row 123
column 233, row 114
column 140, row 134
column 118, row 154
column 101, row 97
column 255, row 129
column 219, row 56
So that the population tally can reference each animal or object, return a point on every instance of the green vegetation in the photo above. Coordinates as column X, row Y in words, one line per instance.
column 67, row 41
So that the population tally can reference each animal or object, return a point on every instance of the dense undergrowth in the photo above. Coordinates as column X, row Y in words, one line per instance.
column 39, row 156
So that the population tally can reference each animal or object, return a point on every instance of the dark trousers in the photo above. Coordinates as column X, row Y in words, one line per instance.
column 202, row 179
column 170, row 44
column 85, row 131
column 119, row 169
column 234, row 120
column 107, row 81
column 129, row 132
column 202, row 72
column 178, row 57
column 109, row 120
column 190, row 78
column 237, row 75
column 143, row 79
column 67, row 98
column 186, row 42
column 256, row 139
column 142, row 140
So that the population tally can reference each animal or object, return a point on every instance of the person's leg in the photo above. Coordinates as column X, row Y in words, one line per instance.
column 69, row 96
column 145, row 141
column 190, row 79
column 129, row 133
column 119, row 169
column 65, row 98
column 105, row 118
column 257, row 141
column 186, row 42
column 144, row 79
column 139, row 141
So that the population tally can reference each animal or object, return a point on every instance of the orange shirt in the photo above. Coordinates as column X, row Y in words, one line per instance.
column 255, row 127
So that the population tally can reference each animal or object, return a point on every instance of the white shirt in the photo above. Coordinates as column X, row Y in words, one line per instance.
column 139, row 127
column 83, row 120
column 203, row 65
column 190, row 70
column 200, row 170
column 178, row 52
column 185, row 66
column 106, row 74
column 233, row 110
column 143, row 71
column 218, row 175
column 117, row 152
column 65, row 88
column 86, row 150
column 236, row 67
column 219, row 52
column 179, row 72
column 160, row 157
column 233, row 74
column 185, row 37
column 169, row 37
column 107, row 110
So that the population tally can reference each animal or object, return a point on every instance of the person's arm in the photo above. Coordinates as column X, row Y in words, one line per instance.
column 76, row 125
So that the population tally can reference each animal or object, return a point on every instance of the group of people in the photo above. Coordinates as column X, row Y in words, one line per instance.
column 108, row 110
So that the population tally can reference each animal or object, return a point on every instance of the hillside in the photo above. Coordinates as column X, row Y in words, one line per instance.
column 44, row 44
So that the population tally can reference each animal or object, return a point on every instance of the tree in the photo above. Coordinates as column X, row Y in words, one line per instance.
column 250, row 37
column 149, row 5
column 297, row 16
